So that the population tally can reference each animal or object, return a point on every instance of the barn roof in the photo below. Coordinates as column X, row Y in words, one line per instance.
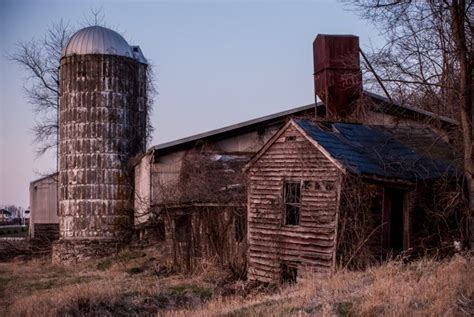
column 379, row 104
column 53, row 177
column 277, row 119
column 407, row 153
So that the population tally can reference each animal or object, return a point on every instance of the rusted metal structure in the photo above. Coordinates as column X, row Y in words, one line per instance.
column 102, row 125
column 337, row 75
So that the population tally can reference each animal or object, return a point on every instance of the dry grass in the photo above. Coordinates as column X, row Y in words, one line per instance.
column 132, row 283
column 423, row 288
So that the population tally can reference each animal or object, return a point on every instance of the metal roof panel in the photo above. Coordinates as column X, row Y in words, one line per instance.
column 376, row 150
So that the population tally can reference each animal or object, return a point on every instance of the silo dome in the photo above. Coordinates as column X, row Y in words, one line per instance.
column 97, row 40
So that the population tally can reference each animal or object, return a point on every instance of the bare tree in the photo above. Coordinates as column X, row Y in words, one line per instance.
column 40, row 59
column 17, row 211
column 428, row 61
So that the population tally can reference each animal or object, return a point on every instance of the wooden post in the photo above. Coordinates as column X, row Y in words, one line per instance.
column 408, row 206
column 386, row 215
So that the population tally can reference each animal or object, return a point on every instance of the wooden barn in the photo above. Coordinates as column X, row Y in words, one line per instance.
column 300, row 213
column 191, row 194
column 179, row 165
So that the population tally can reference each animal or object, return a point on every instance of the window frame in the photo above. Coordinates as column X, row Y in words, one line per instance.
column 292, row 204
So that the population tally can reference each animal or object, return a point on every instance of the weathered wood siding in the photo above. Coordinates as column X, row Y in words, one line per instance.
column 309, row 245
column 209, row 235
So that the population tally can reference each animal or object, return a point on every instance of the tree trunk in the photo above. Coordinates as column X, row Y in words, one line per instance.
column 466, row 99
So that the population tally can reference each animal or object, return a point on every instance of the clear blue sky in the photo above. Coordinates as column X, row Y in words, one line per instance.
column 217, row 63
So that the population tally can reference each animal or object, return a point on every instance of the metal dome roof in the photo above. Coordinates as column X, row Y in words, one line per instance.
column 97, row 40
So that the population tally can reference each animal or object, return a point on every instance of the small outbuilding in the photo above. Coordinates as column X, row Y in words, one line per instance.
column 44, row 220
column 323, row 194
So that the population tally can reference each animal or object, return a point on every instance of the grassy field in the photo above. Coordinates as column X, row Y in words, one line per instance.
column 134, row 283
column 13, row 231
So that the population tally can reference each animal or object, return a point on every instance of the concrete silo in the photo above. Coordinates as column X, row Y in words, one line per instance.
column 102, row 125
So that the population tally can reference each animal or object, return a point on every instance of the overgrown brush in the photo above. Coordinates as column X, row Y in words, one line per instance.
column 422, row 288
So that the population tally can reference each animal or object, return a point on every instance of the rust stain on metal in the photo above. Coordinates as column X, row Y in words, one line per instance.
column 337, row 75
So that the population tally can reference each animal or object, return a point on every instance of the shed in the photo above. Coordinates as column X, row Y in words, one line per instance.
column 44, row 220
column 203, row 216
column 299, row 214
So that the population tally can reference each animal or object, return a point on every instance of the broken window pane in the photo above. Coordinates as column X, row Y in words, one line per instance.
column 329, row 186
column 292, row 193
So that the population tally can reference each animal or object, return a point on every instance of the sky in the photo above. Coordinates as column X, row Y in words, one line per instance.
column 216, row 63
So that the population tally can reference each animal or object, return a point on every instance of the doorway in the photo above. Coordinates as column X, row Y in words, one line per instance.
column 394, row 229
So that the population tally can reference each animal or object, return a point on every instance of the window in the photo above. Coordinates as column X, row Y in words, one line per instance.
column 309, row 185
column 292, row 198
column 182, row 228
column 328, row 186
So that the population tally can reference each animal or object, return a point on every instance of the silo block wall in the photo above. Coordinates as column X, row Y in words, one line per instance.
column 102, row 125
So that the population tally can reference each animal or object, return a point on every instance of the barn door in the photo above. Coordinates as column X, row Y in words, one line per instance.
column 183, row 240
